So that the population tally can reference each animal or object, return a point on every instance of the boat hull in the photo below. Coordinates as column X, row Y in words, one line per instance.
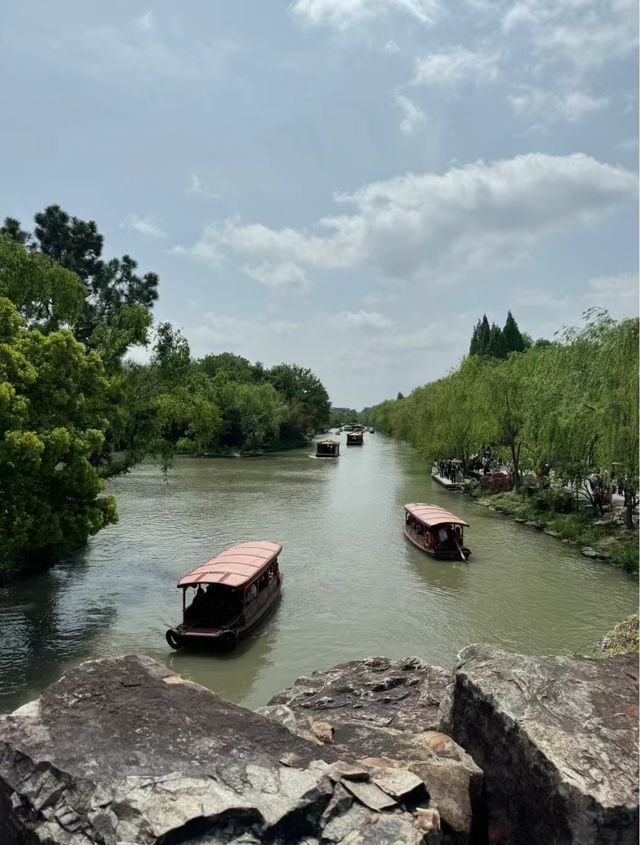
column 436, row 553
column 225, row 638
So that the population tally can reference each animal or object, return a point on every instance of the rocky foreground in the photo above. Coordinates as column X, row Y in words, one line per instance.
column 508, row 749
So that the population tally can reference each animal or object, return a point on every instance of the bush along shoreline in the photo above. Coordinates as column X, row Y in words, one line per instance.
column 602, row 538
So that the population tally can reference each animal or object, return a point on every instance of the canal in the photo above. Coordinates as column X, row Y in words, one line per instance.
column 354, row 586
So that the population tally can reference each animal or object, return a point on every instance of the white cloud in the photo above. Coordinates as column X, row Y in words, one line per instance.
column 362, row 320
column 454, row 66
column 146, row 21
column 553, row 106
column 197, row 188
column 391, row 47
column 343, row 14
column 282, row 278
column 582, row 33
column 618, row 294
column 255, row 338
column 412, row 115
column 438, row 227
column 145, row 225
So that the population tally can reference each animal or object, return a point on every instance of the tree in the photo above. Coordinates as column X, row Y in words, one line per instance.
column 52, row 429
column 514, row 341
column 47, row 295
column 236, row 367
column 12, row 229
column 484, row 336
column 171, row 353
column 473, row 346
column 114, row 293
column 308, row 402
column 497, row 347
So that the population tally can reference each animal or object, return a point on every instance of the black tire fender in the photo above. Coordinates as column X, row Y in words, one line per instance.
column 228, row 640
column 173, row 638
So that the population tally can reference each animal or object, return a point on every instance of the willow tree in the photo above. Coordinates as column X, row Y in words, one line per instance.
column 618, row 357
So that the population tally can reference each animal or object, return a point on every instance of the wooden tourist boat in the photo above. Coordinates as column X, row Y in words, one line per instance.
column 435, row 531
column 355, row 438
column 242, row 585
column 327, row 449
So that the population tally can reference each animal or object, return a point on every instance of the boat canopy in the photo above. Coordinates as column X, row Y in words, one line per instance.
column 234, row 567
column 328, row 443
column 431, row 515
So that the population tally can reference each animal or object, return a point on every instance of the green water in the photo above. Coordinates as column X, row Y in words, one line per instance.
column 354, row 586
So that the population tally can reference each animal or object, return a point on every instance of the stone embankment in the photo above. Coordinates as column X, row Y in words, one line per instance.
column 508, row 749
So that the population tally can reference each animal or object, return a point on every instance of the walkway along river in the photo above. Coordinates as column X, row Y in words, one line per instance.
column 354, row 586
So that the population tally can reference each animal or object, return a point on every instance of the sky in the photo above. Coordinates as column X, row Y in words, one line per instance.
column 344, row 184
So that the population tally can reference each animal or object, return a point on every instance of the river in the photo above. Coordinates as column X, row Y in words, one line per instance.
column 354, row 586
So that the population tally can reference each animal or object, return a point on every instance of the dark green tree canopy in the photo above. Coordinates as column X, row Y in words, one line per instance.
column 111, row 287
column 513, row 339
column 497, row 347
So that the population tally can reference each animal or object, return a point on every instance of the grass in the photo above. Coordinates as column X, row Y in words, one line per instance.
column 623, row 639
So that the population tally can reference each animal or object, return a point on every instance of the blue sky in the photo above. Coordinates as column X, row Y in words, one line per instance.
column 347, row 184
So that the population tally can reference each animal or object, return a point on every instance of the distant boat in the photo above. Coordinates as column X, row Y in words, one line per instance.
column 242, row 584
column 327, row 449
column 372, row 431
column 435, row 531
column 355, row 438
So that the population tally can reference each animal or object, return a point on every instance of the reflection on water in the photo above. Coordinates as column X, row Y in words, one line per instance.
column 354, row 585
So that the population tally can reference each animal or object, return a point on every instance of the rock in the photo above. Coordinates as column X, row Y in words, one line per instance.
column 401, row 694
column 401, row 785
column 322, row 731
column 557, row 738
column 123, row 752
column 519, row 519
column 531, row 524
column 551, row 532
column 587, row 551
column 428, row 819
column 370, row 795
column 340, row 770
column 385, row 714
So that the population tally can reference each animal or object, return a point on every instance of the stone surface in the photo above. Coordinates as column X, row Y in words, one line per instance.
column 385, row 713
column 123, row 752
column 322, row 731
column 557, row 738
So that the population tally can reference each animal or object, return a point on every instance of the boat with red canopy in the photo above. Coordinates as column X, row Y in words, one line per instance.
column 435, row 531
column 234, row 591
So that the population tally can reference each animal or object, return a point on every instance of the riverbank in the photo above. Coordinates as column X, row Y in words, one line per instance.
column 603, row 538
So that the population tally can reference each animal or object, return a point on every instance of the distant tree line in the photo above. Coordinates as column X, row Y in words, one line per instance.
column 74, row 410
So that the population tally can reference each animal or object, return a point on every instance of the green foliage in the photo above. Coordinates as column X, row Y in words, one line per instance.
column 512, row 337
column 484, row 336
column 114, row 311
column 345, row 416
column 570, row 404
column 491, row 341
column 52, row 427
column 497, row 347
column 46, row 295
